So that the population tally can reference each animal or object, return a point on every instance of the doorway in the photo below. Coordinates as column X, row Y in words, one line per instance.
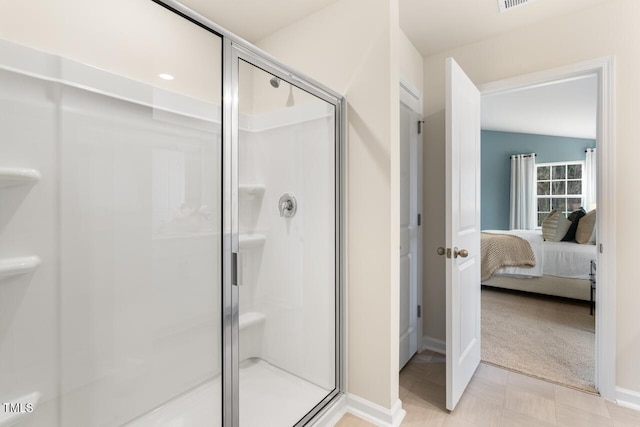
column 537, row 320
column 459, row 376
column 605, row 294
column 410, row 221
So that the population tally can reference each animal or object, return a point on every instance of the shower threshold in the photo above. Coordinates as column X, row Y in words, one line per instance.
column 269, row 397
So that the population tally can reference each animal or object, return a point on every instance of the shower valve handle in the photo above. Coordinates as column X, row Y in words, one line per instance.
column 287, row 205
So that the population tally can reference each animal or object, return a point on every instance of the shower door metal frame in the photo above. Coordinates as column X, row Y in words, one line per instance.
column 233, row 49
column 233, row 52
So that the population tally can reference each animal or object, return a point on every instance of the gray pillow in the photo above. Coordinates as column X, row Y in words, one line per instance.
column 574, row 217
column 555, row 226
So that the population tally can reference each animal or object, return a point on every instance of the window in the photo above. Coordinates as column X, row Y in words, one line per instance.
column 559, row 186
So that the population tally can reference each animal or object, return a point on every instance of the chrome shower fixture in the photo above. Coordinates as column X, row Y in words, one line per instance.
column 275, row 82
column 287, row 205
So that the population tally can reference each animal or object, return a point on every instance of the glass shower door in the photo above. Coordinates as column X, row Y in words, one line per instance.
column 286, row 227
column 117, row 321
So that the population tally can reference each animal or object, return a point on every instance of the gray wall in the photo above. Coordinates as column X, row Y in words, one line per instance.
column 496, row 149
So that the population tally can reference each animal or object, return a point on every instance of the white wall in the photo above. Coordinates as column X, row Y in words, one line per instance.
column 411, row 62
column 356, row 54
column 609, row 29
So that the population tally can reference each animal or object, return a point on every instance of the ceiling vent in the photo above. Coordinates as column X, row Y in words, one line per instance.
column 510, row 4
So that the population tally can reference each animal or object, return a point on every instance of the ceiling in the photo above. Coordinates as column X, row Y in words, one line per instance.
column 432, row 25
column 254, row 20
column 568, row 109
column 437, row 25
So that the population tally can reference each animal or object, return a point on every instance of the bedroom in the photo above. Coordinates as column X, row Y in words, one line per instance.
column 538, row 174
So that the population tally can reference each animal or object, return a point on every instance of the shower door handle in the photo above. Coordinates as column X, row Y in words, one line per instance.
column 234, row 268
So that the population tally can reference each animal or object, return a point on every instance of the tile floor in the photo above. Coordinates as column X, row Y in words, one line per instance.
column 497, row 398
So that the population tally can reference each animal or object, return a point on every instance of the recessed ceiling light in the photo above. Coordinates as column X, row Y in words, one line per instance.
column 166, row 76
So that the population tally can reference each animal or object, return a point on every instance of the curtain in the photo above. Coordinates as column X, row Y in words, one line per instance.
column 589, row 179
column 522, row 215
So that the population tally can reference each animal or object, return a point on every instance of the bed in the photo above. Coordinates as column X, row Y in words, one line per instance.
column 561, row 268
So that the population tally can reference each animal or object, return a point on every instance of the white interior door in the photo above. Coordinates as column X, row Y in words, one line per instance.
column 410, row 242
column 462, row 230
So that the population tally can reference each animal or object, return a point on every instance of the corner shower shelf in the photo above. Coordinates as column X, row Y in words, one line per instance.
column 248, row 241
column 14, row 266
column 249, row 319
column 9, row 419
column 18, row 176
column 251, row 190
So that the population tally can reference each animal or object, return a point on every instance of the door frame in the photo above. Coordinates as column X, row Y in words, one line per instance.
column 604, row 69
column 412, row 98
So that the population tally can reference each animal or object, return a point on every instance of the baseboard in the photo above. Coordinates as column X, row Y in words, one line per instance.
column 375, row 413
column 628, row 398
column 364, row 409
column 333, row 414
column 434, row 344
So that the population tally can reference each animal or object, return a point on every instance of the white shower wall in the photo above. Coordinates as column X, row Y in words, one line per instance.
column 123, row 314
column 28, row 223
column 140, row 301
column 290, row 279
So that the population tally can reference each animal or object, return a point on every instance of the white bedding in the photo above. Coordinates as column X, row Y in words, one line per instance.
column 562, row 259
column 568, row 259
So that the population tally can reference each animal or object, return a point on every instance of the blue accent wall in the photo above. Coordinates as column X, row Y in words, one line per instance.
column 496, row 149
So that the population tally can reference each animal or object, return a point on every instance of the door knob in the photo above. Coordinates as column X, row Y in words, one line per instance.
column 462, row 252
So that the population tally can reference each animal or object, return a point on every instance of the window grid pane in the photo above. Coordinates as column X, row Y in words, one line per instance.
column 574, row 171
column 544, row 173
column 559, row 172
column 574, row 187
column 544, row 188
column 558, row 188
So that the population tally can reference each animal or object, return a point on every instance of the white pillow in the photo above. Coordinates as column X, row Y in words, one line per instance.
column 555, row 226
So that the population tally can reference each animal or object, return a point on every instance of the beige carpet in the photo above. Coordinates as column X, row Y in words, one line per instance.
column 548, row 338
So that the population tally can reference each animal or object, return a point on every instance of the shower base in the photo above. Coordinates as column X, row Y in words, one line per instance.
column 269, row 397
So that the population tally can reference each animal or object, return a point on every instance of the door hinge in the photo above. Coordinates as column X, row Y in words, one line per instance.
column 419, row 220
column 420, row 123
column 601, row 248
column 419, row 311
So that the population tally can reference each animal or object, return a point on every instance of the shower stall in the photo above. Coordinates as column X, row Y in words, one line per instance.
column 170, row 236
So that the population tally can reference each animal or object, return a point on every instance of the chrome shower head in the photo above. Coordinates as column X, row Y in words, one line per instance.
column 275, row 82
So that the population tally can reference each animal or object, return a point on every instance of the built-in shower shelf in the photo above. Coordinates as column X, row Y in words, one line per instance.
column 18, row 176
column 248, row 241
column 251, row 190
column 14, row 266
column 22, row 407
column 249, row 319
